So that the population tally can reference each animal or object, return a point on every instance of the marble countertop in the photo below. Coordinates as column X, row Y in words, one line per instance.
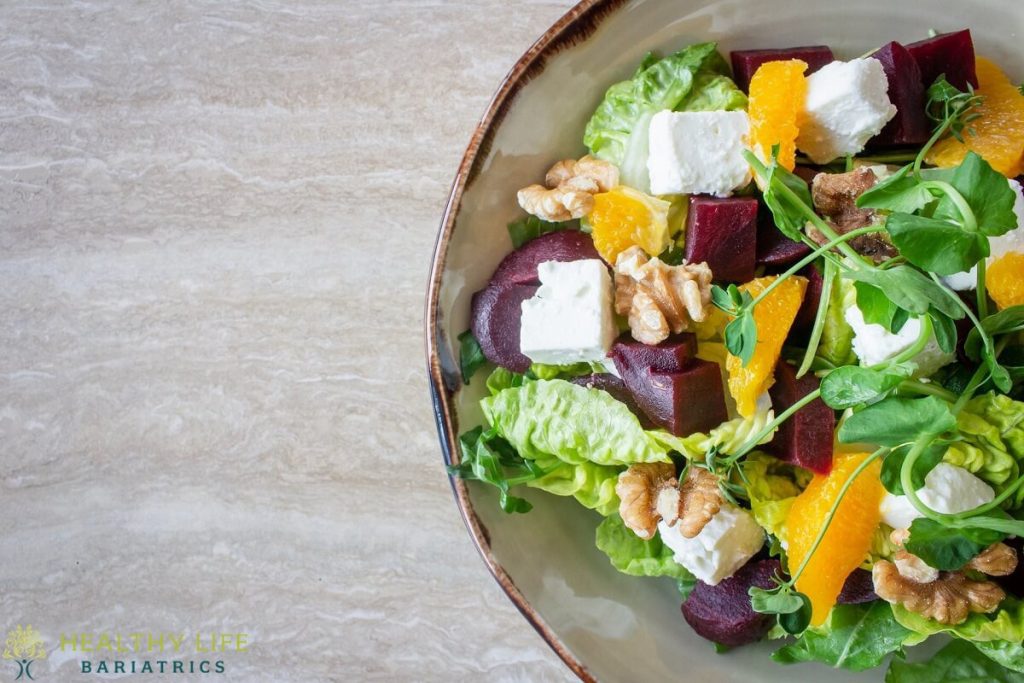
column 214, row 417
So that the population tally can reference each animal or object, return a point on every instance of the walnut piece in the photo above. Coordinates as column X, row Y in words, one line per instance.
column 835, row 197
column 949, row 599
column 650, row 493
column 569, row 189
column 659, row 299
column 638, row 489
column 996, row 560
column 913, row 567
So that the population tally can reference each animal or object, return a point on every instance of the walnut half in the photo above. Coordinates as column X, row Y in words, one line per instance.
column 649, row 493
column 657, row 298
column 946, row 597
column 570, row 189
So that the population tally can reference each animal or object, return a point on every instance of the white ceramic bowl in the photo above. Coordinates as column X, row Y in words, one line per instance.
column 606, row 625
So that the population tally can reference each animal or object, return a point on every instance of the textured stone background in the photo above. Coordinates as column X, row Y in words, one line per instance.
column 216, row 226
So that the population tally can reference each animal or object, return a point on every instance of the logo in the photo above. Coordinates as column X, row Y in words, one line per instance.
column 24, row 645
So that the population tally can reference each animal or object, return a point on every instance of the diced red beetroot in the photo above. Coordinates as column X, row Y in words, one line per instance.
column 496, row 315
column 812, row 296
column 746, row 62
column 608, row 382
column 910, row 126
column 723, row 614
column 671, row 355
column 859, row 587
column 773, row 248
column 951, row 54
column 684, row 402
column 520, row 267
column 723, row 234
column 805, row 439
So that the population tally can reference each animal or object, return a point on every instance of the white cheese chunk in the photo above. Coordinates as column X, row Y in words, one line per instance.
column 999, row 246
column 569, row 319
column 873, row 343
column 724, row 544
column 947, row 488
column 847, row 105
column 698, row 152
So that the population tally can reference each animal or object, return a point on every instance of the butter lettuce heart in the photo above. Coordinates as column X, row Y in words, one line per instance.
column 772, row 486
column 632, row 555
column 593, row 486
column 992, row 426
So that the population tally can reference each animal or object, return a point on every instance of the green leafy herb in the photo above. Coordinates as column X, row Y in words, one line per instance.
column 948, row 549
column 741, row 337
column 792, row 607
column 471, row 356
column 897, row 421
column 1006, row 321
column 900, row 192
column 892, row 466
column 851, row 386
column 879, row 309
column 531, row 227
column 945, row 331
column 488, row 458
column 947, row 103
column 957, row 662
column 987, row 194
column 940, row 246
column 910, row 289
column 855, row 637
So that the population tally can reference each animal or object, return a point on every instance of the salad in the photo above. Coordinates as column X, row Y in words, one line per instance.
column 769, row 328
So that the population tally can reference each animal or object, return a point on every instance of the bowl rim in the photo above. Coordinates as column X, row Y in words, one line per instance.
column 573, row 27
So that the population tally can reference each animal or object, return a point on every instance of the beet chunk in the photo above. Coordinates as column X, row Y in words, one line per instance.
column 608, row 382
column 723, row 613
column 910, row 126
column 806, row 438
column 520, row 267
column 773, row 248
column 684, row 402
column 746, row 62
column 947, row 53
column 723, row 234
column 671, row 355
column 859, row 587
column 812, row 296
column 496, row 315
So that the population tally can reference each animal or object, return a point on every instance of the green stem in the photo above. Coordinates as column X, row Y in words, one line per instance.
column 927, row 389
column 939, row 132
column 810, row 258
column 981, row 291
column 963, row 208
column 828, row 279
column 833, row 510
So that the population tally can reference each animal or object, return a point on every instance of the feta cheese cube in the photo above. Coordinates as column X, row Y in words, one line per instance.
column 698, row 152
column 569, row 319
column 999, row 246
column 873, row 343
column 947, row 488
column 724, row 544
column 847, row 105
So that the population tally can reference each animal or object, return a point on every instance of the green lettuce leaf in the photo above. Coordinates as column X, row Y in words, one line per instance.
column 727, row 437
column 837, row 336
column 617, row 131
column 542, row 371
column 500, row 378
column 998, row 636
column 555, row 418
column 855, row 637
column 958, row 662
column 772, row 486
column 992, row 426
column 593, row 486
column 632, row 555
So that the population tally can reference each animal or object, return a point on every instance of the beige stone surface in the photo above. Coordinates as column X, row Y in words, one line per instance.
column 217, row 220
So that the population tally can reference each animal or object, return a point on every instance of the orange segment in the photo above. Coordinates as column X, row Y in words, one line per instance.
column 623, row 217
column 1005, row 280
column 778, row 91
column 848, row 539
column 999, row 130
column 773, row 317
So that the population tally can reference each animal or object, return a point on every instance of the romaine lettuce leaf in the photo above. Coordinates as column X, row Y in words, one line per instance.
column 593, row 486
column 855, row 637
column 998, row 636
column 837, row 336
column 555, row 418
column 617, row 131
column 632, row 555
